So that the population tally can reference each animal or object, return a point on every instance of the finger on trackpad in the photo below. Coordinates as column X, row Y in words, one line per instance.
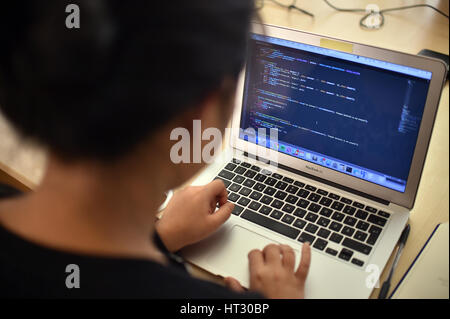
column 232, row 258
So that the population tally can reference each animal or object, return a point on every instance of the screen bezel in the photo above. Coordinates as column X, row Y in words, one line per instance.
column 405, row 199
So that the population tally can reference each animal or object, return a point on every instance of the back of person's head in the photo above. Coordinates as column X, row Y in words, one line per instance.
column 97, row 91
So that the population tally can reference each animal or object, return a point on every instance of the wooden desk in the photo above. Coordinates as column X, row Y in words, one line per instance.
column 408, row 31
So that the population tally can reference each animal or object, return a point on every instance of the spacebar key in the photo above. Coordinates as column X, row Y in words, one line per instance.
column 270, row 223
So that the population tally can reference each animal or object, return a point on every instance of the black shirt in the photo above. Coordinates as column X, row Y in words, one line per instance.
column 33, row 271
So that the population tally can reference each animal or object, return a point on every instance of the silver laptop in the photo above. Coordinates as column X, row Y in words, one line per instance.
column 353, row 124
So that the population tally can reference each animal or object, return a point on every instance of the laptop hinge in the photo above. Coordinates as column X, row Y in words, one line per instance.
column 322, row 180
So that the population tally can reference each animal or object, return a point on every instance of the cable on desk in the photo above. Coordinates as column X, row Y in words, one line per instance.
column 292, row 6
column 380, row 14
column 363, row 22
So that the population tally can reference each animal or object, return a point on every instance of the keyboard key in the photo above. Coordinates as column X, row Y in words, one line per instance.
column 311, row 228
column 311, row 217
column 324, row 233
column 334, row 196
column 320, row 244
column 254, row 205
column 360, row 236
column 236, row 161
column 250, row 174
column 336, row 238
column 310, row 188
column 299, row 212
column 288, row 219
column 371, row 209
column 225, row 182
column 226, row 174
column 255, row 168
column 349, row 210
column 299, row 184
column 292, row 189
column 270, row 181
column 302, row 203
column 322, row 192
column 331, row 251
column 305, row 237
column 288, row 180
column 288, row 208
column 325, row 212
column 266, row 200
column 337, row 206
column 277, row 176
column 347, row 231
column 233, row 197
column 383, row 214
column 361, row 214
column 299, row 223
column 357, row 262
column 266, row 172
column 375, row 230
column 372, row 239
column 230, row 166
column 338, row 216
column 244, row 201
column 245, row 191
column 234, row 187
column 314, row 197
column 350, row 221
column 237, row 210
column 255, row 195
column 276, row 214
column 270, row 224
column 314, row 207
column 259, row 187
column 323, row 221
column 265, row 210
column 325, row 201
column 246, row 165
column 303, row 193
column 270, row 190
column 335, row 226
column 362, row 225
column 281, row 185
column 345, row 254
column 291, row 199
column 280, row 195
column 346, row 200
column 353, row 244
column 240, row 170
column 358, row 205
column 238, row 179
column 277, row 203
column 260, row 178
column 380, row 221
column 249, row 183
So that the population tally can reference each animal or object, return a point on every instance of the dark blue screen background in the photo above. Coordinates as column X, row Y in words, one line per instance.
column 383, row 108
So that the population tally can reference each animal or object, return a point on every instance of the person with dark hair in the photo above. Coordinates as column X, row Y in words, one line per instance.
column 102, row 99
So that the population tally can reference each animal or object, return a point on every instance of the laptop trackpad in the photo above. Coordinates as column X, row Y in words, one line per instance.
column 232, row 257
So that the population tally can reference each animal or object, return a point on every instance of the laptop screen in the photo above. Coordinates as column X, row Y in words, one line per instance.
column 355, row 115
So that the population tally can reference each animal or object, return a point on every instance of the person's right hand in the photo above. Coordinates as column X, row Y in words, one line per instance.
column 272, row 271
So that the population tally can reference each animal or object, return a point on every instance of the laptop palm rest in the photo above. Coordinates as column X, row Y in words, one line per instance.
column 226, row 252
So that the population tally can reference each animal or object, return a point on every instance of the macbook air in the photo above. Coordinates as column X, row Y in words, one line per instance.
column 353, row 123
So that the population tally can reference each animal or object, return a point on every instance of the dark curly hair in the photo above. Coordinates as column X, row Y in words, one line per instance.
column 98, row 91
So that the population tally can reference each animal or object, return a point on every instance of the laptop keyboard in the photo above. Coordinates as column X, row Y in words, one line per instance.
column 331, row 223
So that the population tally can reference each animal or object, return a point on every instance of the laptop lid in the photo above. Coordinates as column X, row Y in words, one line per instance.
column 352, row 114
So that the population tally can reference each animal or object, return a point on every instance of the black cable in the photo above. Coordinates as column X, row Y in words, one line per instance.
column 292, row 6
column 381, row 13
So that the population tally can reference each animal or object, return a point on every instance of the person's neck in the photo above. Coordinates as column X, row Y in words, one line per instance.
column 93, row 208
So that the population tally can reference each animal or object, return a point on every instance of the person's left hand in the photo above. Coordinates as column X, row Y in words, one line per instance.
column 190, row 215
